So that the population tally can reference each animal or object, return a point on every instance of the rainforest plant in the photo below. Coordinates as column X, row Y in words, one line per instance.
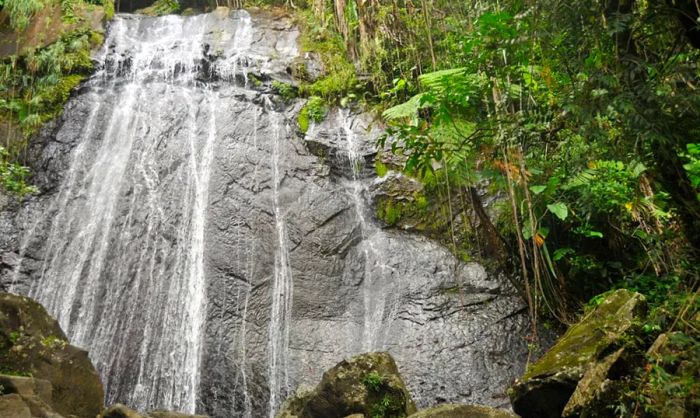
column 579, row 121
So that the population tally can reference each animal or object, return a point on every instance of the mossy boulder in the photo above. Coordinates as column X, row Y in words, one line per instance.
column 580, row 360
column 462, row 411
column 32, row 344
column 368, row 384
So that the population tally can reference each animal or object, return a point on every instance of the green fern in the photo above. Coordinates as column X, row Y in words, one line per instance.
column 406, row 110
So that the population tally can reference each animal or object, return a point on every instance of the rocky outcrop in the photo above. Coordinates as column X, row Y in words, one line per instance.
column 462, row 411
column 368, row 385
column 33, row 344
column 108, row 250
column 572, row 375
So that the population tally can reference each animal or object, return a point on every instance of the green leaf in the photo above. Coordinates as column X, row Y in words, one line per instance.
column 408, row 109
column 563, row 252
column 593, row 234
column 637, row 169
column 538, row 189
column 559, row 209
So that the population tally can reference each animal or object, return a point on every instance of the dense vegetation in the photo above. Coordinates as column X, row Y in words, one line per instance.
column 583, row 115
column 37, row 78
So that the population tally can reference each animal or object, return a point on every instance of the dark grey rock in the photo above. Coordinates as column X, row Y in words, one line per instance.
column 118, row 282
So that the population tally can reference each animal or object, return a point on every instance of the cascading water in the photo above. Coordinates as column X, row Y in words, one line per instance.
column 123, row 267
column 378, row 283
column 213, row 259
column 281, row 291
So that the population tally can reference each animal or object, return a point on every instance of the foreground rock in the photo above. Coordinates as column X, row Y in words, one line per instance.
column 32, row 344
column 26, row 397
column 462, row 411
column 368, row 385
column 573, row 375
column 121, row 411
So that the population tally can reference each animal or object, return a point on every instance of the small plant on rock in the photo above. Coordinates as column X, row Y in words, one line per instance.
column 285, row 90
column 373, row 381
column 314, row 111
column 53, row 342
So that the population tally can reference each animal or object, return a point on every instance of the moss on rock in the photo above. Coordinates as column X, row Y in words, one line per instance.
column 547, row 386
column 33, row 344
column 344, row 390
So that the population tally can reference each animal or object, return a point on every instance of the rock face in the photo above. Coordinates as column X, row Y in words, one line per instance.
column 462, row 411
column 572, row 374
column 32, row 343
column 210, row 262
column 368, row 385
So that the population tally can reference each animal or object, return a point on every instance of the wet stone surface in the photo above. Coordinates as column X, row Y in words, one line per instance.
column 187, row 236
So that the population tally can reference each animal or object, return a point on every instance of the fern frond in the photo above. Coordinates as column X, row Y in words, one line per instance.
column 405, row 110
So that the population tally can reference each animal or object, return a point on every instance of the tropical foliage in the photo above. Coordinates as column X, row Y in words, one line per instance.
column 36, row 82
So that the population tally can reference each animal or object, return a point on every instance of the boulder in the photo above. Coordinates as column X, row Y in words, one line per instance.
column 579, row 362
column 33, row 344
column 27, row 387
column 368, row 384
column 47, row 26
column 121, row 411
column 592, row 385
column 462, row 411
column 34, row 394
column 13, row 406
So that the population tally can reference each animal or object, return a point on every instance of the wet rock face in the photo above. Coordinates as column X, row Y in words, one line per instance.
column 294, row 271
column 32, row 343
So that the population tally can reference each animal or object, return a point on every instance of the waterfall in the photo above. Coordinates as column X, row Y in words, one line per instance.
column 124, row 264
column 213, row 259
column 280, row 292
column 377, row 282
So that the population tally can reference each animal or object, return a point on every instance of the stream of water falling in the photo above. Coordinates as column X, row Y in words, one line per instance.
column 281, row 289
column 379, row 304
column 123, row 268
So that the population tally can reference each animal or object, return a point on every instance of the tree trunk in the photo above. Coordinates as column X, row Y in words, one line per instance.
column 429, row 32
column 493, row 244
column 365, row 13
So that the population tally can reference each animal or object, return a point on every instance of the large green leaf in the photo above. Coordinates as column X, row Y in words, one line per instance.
column 559, row 209
column 406, row 110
